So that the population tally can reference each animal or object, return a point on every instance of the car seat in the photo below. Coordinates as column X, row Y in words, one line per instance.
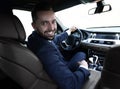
column 16, row 60
column 110, row 76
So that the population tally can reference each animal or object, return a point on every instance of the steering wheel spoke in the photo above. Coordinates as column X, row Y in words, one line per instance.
column 73, row 41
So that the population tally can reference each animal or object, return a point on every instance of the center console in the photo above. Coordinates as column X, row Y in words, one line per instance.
column 96, row 59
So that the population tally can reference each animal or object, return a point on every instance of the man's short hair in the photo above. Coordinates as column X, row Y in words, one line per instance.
column 44, row 6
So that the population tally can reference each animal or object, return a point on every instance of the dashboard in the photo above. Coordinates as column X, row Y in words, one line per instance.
column 98, row 41
column 101, row 38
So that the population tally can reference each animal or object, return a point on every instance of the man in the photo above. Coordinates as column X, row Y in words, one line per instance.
column 67, row 75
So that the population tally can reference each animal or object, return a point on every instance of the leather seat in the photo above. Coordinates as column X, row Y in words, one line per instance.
column 16, row 60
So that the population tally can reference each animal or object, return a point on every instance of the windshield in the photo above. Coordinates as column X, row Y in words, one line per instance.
column 78, row 16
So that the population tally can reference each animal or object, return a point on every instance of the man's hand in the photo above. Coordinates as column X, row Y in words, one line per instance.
column 70, row 30
column 83, row 64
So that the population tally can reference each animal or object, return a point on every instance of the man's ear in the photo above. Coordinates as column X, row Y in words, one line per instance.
column 33, row 25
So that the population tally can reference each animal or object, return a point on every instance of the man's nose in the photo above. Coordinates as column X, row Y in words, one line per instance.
column 51, row 26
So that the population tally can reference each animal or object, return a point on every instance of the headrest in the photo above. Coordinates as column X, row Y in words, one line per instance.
column 11, row 28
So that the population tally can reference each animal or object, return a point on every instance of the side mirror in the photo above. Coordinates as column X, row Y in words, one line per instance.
column 101, row 7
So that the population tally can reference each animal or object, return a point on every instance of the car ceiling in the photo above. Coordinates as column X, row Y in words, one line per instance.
column 29, row 4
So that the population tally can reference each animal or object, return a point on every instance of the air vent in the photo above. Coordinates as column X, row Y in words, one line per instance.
column 108, row 42
column 102, row 42
column 94, row 41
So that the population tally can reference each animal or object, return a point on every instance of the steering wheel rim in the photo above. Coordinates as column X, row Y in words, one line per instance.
column 73, row 41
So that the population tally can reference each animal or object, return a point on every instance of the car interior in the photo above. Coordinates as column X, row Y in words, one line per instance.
column 21, row 69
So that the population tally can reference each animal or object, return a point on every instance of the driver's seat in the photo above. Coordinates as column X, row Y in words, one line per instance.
column 16, row 60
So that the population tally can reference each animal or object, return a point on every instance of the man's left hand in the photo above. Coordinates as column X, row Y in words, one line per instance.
column 70, row 30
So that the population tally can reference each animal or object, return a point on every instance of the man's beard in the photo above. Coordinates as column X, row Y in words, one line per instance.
column 46, row 36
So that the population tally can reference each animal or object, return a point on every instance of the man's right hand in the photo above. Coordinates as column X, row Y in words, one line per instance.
column 83, row 64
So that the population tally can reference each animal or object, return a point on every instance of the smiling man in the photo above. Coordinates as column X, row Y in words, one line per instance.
column 67, row 74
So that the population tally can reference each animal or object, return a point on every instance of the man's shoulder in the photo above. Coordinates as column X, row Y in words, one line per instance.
column 35, row 42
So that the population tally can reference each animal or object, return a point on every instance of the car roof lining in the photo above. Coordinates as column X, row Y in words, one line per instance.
column 29, row 4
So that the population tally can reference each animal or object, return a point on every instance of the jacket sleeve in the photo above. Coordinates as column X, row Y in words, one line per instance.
column 58, row 70
column 60, row 37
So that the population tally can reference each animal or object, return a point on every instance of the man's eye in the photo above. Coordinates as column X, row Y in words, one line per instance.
column 54, row 21
column 44, row 23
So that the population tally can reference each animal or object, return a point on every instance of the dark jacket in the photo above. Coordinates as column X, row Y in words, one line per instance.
column 55, row 65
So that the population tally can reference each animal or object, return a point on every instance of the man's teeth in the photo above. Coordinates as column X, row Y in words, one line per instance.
column 50, row 32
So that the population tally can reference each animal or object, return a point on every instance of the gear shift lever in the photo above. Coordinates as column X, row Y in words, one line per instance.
column 93, row 61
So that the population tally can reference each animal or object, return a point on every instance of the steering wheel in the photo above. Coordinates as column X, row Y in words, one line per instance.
column 73, row 41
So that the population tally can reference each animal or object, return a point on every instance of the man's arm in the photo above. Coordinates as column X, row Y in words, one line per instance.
column 60, row 37
column 58, row 70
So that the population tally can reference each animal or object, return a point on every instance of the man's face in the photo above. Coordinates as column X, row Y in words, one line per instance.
column 46, row 24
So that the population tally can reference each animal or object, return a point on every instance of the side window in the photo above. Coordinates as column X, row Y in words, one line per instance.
column 25, row 18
